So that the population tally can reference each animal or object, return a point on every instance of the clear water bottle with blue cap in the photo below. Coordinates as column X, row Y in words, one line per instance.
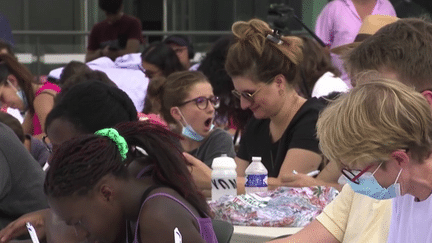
column 256, row 176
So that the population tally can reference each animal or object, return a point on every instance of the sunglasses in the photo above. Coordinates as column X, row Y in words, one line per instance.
column 248, row 96
column 202, row 102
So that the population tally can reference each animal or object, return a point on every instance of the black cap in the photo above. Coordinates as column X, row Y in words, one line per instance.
column 180, row 40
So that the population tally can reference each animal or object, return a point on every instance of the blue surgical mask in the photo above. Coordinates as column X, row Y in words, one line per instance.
column 370, row 187
column 189, row 132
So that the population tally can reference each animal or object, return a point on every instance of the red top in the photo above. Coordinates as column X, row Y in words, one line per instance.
column 117, row 33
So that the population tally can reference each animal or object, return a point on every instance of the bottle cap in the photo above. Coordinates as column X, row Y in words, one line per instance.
column 223, row 162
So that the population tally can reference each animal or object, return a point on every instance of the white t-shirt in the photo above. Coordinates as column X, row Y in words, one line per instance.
column 129, row 61
column 411, row 221
column 15, row 113
column 128, row 77
column 133, row 82
column 327, row 84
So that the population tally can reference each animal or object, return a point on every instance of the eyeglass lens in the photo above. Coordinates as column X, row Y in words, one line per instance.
column 246, row 95
column 202, row 102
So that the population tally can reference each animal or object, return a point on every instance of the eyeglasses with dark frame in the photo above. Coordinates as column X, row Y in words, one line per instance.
column 354, row 177
column 47, row 145
column 350, row 175
column 202, row 102
column 248, row 96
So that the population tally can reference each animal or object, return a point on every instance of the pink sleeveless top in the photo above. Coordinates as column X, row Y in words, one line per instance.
column 37, row 128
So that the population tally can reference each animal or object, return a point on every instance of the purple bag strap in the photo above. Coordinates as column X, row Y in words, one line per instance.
column 168, row 196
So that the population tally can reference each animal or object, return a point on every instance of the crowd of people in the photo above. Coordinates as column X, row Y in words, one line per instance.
column 120, row 148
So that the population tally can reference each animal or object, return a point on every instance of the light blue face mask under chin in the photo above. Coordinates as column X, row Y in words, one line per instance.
column 370, row 187
column 189, row 132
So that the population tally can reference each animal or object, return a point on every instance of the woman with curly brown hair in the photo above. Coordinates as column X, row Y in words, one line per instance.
column 263, row 66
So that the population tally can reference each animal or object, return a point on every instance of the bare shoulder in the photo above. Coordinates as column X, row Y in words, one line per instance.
column 163, row 213
column 167, row 201
column 46, row 95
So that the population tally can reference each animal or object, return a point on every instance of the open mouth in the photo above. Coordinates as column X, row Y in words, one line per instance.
column 208, row 122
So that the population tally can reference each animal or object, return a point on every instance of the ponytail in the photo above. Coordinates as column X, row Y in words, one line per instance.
column 154, row 96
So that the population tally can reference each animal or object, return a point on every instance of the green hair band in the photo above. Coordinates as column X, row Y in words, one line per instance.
column 117, row 138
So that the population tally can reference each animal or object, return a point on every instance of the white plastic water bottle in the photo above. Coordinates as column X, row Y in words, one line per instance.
column 256, row 176
column 224, row 177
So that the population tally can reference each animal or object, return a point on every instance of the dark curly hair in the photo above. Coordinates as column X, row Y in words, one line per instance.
column 213, row 66
column 93, row 105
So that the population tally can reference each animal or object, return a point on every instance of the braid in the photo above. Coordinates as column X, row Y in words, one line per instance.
column 80, row 163
column 169, row 164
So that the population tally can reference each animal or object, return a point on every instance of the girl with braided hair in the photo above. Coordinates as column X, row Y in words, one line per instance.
column 87, row 107
column 263, row 66
column 89, row 187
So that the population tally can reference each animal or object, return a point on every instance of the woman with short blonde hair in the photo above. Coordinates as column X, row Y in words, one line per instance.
column 372, row 121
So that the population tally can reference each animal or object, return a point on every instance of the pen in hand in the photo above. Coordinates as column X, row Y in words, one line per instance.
column 312, row 173
column 32, row 232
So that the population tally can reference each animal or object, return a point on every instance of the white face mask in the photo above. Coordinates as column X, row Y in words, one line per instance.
column 20, row 93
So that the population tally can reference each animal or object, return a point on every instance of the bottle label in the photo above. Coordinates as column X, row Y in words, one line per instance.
column 256, row 181
column 224, row 183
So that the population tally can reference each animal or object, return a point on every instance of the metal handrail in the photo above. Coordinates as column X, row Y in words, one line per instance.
column 39, row 33
column 146, row 32
column 77, row 32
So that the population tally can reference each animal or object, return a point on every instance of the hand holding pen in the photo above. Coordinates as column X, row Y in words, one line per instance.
column 312, row 173
column 296, row 179
column 32, row 232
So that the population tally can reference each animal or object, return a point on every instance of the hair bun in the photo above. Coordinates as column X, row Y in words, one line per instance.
column 253, row 32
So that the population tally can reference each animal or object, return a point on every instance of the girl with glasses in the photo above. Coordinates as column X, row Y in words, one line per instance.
column 159, row 60
column 187, row 104
column 263, row 66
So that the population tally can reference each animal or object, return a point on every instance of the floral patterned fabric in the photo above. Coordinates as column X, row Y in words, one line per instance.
column 283, row 207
